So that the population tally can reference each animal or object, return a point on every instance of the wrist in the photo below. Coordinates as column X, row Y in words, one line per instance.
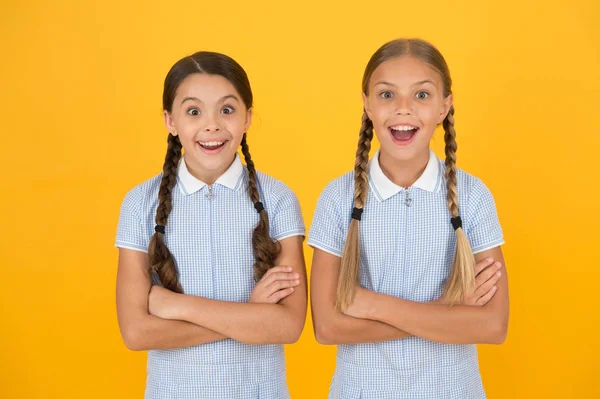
column 374, row 309
column 180, row 307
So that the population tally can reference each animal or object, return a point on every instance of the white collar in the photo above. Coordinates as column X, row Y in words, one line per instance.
column 385, row 188
column 230, row 179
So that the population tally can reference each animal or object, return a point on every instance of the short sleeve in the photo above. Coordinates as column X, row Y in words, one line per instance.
column 285, row 218
column 130, row 231
column 327, row 232
column 482, row 225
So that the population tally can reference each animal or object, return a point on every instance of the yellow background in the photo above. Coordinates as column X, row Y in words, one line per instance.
column 81, row 87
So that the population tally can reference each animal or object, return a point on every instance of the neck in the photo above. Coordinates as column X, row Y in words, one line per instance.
column 208, row 176
column 403, row 173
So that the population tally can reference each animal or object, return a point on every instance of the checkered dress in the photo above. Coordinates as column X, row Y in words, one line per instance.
column 407, row 249
column 210, row 238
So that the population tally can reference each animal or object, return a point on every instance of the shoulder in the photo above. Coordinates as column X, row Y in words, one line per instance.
column 283, row 207
column 340, row 187
column 143, row 194
column 474, row 195
column 273, row 189
column 470, row 184
column 470, row 188
column 473, row 187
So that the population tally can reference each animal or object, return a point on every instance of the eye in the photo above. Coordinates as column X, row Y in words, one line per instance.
column 386, row 95
column 422, row 95
column 193, row 111
column 227, row 110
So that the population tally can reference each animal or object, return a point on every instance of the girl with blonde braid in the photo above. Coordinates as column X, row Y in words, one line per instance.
column 407, row 274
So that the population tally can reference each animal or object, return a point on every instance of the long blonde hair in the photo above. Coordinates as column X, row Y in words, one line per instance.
column 462, row 275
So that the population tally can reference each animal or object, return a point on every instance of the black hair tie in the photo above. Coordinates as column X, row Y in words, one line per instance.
column 357, row 213
column 456, row 223
column 259, row 207
column 159, row 229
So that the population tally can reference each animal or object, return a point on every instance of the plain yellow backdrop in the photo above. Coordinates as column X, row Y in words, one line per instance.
column 81, row 87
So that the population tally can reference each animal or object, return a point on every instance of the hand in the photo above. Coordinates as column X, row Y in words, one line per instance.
column 487, row 275
column 360, row 306
column 163, row 303
column 277, row 283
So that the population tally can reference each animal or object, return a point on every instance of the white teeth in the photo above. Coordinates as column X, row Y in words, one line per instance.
column 403, row 128
column 211, row 143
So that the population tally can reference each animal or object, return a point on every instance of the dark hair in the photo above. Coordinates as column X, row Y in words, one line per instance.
column 265, row 249
column 462, row 275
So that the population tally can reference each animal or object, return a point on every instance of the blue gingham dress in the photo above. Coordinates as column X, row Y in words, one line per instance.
column 210, row 239
column 407, row 248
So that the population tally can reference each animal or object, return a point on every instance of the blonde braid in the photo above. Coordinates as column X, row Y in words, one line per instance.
column 350, row 263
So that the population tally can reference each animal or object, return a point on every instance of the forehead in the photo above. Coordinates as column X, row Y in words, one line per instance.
column 404, row 70
column 205, row 87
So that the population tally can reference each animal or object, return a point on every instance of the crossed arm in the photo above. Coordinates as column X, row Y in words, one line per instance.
column 155, row 318
column 374, row 317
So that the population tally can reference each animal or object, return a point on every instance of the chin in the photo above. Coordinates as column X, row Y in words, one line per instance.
column 401, row 153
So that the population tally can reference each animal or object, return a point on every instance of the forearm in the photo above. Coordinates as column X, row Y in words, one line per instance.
column 440, row 323
column 341, row 329
column 151, row 332
column 334, row 328
column 251, row 323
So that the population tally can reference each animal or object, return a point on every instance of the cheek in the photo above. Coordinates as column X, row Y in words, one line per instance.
column 237, row 124
column 187, row 132
column 382, row 110
column 380, row 115
column 236, row 127
column 432, row 111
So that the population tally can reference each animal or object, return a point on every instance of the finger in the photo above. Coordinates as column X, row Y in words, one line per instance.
column 485, row 287
column 482, row 264
column 280, row 276
column 487, row 297
column 279, row 295
column 488, row 273
column 277, row 269
column 281, row 284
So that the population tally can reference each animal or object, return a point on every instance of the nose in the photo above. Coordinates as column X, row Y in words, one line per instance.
column 212, row 128
column 211, row 125
column 404, row 106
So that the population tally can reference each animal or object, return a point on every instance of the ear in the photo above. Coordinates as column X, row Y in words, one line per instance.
column 169, row 123
column 248, row 119
column 366, row 104
column 445, row 109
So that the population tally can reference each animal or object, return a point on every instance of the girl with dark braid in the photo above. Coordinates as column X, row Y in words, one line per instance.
column 407, row 274
column 211, row 275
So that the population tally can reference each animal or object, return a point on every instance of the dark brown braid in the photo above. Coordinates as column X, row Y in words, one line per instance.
column 202, row 62
column 265, row 248
column 160, row 257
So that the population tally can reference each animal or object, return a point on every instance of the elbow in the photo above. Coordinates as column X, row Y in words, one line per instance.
column 290, row 338
column 498, row 332
column 324, row 333
column 294, row 334
column 133, row 339
column 291, row 328
column 287, row 336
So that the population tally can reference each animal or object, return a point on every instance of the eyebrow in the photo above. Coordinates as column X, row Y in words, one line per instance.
column 383, row 82
column 221, row 100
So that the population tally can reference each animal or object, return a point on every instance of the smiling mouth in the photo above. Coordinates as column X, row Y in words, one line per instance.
column 211, row 145
column 403, row 133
